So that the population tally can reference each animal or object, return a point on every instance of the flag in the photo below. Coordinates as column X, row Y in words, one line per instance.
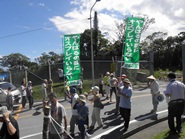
column 131, row 51
column 72, row 68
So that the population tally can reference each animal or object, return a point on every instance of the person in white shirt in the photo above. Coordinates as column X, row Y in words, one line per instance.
column 74, row 101
column 23, row 93
column 44, row 90
column 154, row 89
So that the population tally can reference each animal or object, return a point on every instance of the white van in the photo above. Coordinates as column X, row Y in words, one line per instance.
column 16, row 94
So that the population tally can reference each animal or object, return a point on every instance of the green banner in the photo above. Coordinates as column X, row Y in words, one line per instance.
column 131, row 56
column 72, row 68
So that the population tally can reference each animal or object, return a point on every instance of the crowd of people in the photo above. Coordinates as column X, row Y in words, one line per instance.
column 107, row 86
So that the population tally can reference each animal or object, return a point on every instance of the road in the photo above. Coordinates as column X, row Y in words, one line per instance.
column 31, row 121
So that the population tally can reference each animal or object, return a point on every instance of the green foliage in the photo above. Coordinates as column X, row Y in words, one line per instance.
column 15, row 60
column 165, row 134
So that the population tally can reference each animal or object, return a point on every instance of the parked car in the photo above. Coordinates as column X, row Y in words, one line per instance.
column 16, row 94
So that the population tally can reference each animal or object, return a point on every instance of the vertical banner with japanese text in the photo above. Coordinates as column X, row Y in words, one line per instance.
column 131, row 56
column 72, row 68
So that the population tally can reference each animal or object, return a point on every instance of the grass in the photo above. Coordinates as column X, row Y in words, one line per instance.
column 165, row 134
column 58, row 88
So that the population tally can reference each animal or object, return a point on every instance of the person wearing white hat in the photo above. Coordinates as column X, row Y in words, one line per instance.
column 10, row 127
column 125, row 102
column 96, row 108
column 154, row 89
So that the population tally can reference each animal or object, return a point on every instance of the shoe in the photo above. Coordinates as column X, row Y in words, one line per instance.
column 100, row 126
column 91, row 127
column 116, row 113
column 172, row 132
column 179, row 130
column 72, row 135
column 125, row 129
column 87, row 135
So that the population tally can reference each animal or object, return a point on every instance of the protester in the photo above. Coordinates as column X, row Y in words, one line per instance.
column 96, row 108
column 83, row 117
column 60, row 75
column 80, row 86
column 10, row 128
column 100, row 82
column 154, row 89
column 23, row 93
column 74, row 101
column 119, row 88
column 175, row 91
column 113, row 85
column 125, row 103
column 9, row 99
column 106, row 84
column 50, row 86
column 44, row 90
column 30, row 94
column 58, row 121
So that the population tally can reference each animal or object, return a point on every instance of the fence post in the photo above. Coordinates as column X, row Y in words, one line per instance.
column 46, row 119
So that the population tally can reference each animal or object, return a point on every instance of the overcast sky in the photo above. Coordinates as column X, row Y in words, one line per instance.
column 32, row 27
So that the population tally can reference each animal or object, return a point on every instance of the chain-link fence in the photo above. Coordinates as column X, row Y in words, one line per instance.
column 100, row 67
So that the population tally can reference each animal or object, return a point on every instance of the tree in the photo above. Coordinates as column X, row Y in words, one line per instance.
column 15, row 60
column 51, row 57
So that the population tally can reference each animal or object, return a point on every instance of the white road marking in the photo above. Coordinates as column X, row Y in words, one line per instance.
column 105, row 132
column 133, row 121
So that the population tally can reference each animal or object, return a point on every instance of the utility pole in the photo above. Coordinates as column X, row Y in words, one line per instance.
column 92, row 51
column 183, row 60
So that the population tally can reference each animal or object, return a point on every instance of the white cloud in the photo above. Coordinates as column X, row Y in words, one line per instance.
column 169, row 15
column 41, row 4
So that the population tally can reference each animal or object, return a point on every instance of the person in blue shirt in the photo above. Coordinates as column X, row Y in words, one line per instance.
column 125, row 102
column 83, row 116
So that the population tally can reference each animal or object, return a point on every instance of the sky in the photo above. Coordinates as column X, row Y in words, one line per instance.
column 32, row 27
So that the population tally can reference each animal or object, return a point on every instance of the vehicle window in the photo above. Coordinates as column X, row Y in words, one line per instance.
column 5, row 86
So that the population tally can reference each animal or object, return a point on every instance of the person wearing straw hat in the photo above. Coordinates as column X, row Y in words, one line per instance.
column 154, row 89
column 125, row 103
column 58, row 121
column 10, row 127
column 83, row 116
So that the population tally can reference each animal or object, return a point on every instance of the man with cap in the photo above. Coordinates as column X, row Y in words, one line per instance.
column 175, row 91
column 106, row 84
column 83, row 116
column 125, row 102
column 154, row 89
column 10, row 128
column 58, row 121
column 74, row 101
